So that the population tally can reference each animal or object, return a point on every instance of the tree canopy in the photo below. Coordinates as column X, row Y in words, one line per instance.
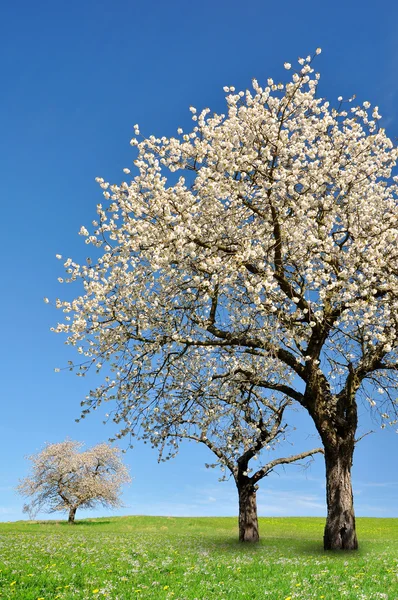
column 261, row 245
column 63, row 478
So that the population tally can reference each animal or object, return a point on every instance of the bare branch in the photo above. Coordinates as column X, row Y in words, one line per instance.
column 266, row 469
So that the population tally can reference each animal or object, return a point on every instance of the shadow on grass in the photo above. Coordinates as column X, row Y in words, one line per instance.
column 68, row 525
column 85, row 523
column 286, row 546
column 314, row 549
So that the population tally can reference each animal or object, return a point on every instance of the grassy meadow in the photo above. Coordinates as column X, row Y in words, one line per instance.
column 124, row 558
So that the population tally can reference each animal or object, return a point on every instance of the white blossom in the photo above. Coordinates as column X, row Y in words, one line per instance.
column 256, row 249
column 63, row 478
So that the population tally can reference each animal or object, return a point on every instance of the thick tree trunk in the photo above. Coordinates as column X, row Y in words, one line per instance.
column 248, row 522
column 72, row 513
column 340, row 531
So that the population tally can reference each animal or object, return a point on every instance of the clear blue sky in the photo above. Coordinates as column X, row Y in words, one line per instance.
column 75, row 77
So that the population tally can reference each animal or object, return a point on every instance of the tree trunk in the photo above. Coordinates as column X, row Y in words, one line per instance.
column 340, row 531
column 72, row 513
column 248, row 522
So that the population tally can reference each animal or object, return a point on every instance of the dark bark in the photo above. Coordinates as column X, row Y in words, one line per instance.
column 72, row 513
column 340, row 533
column 248, row 522
column 336, row 419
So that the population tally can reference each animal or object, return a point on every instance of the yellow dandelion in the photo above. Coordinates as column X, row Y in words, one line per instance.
column 96, row 591
column 288, row 598
column 298, row 584
column 165, row 587
column 30, row 575
column 13, row 583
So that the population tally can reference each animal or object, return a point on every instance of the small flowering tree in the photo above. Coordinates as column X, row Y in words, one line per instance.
column 233, row 419
column 275, row 240
column 64, row 479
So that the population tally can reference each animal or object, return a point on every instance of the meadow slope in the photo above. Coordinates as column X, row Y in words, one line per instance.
column 124, row 558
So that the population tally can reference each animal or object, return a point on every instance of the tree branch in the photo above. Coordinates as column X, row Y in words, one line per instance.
column 240, row 339
column 266, row 469
column 278, row 387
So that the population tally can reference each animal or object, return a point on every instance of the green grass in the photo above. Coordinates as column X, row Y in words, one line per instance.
column 194, row 558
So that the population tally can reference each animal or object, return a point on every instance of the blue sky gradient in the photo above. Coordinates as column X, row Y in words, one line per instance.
column 75, row 78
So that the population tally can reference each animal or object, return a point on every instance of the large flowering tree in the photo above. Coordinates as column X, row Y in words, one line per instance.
column 269, row 253
column 64, row 478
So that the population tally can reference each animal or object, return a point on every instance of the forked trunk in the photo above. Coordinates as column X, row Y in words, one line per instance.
column 72, row 513
column 340, row 531
column 248, row 522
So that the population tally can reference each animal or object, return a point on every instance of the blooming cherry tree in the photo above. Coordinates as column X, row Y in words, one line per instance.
column 260, row 244
column 232, row 418
column 64, row 479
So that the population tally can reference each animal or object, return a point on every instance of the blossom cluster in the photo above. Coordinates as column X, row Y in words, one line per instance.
column 259, row 244
column 64, row 477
